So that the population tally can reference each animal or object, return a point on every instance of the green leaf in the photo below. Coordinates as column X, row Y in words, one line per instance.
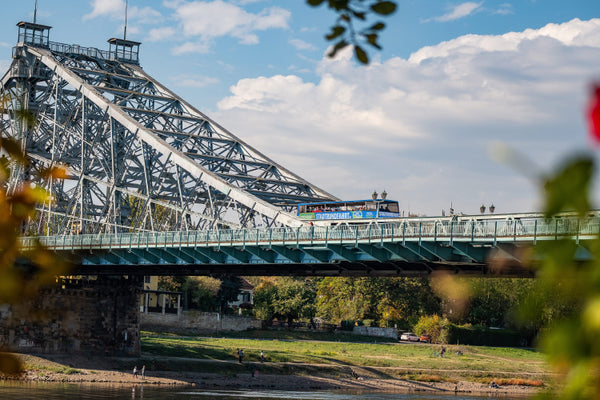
column 377, row 27
column 359, row 15
column 372, row 40
column 361, row 55
column 384, row 7
column 338, row 4
column 315, row 3
column 13, row 148
column 336, row 31
column 568, row 189
column 339, row 45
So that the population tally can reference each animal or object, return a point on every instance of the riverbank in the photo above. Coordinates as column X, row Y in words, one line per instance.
column 232, row 375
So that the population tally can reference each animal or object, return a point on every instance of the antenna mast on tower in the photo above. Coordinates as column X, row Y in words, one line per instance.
column 35, row 13
column 125, row 29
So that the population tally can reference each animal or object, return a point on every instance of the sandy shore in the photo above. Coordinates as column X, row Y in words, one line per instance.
column 105, row 371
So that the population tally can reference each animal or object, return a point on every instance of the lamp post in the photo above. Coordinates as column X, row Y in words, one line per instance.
column 482, row 209
column 492, row 208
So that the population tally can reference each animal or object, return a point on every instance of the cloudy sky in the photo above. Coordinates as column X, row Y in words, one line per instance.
column 456, row 85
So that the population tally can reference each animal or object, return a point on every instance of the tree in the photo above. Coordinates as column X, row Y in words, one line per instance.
column 229, row 291
column 385, row 300
column 295, row 299
column 285, row 298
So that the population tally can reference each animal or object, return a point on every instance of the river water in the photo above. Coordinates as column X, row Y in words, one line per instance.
column 83, row 392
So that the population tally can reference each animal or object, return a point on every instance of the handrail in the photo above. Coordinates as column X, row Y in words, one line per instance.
column 449, row 230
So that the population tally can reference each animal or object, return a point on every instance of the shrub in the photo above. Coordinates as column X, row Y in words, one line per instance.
column 434, row 326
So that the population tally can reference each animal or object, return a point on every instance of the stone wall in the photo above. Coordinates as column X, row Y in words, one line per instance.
column 375, row 331
column 197, row 321
column 87, row 316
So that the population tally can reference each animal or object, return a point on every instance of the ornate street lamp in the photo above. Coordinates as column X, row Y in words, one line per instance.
column 482, row 209
column 492, row 208
column 383, row 195
column 374, row 195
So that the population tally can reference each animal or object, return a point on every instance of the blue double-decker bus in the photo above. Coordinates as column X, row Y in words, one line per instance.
column 355, row 209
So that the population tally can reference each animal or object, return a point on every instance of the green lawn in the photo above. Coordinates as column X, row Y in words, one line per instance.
column 347, row 351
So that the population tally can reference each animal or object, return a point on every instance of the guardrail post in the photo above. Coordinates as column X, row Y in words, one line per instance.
column 312, row 234
column 435, row 231
column 381, row 242
column 495, row 232
column 297, row 237
column 370, row 226
column 451, row 232
column 326, row 234
column 515, row 231
column 535, row 232
column 420, row 226
column 556, row 229
column 219, row 239
column 244, row 240
column 270, row 237
column 472, row 231
column 577, row 237
column 356, row 236
column 403, row 233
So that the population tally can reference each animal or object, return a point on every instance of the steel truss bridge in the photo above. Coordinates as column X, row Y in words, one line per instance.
column 155, row 187
column 492, row 246
column 137, row 156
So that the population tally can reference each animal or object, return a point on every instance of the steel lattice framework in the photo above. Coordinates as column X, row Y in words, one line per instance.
column 139, row 158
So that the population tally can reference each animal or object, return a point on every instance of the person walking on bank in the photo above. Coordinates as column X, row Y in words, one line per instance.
column 240, row 355
column 135, row 371
column 262, row 356
column 143, row 372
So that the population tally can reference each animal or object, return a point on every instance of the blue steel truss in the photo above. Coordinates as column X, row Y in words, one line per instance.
column 402, row 247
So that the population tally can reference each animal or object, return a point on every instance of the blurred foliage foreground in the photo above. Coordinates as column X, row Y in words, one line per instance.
column 22, row 273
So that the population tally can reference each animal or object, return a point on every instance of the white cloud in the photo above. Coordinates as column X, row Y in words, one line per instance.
column 208, row 20
column 158, row 34
column 301, row 44
column 420, row 128
column 459, row 11
column 115, row 9
column 504, row 9
column 573, row 33
column 112, row 8
column 194, row 81
column 193, row 47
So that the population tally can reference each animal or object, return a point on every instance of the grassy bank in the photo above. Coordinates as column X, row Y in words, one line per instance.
column 301, row 354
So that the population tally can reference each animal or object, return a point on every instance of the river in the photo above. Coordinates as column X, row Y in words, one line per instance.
column 29, row 391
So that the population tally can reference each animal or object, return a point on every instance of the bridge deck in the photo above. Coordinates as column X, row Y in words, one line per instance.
column 401, row 247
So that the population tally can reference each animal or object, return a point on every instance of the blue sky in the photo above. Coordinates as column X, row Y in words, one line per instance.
column 454, row 80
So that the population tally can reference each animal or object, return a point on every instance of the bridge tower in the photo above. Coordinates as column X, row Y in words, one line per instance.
column 137, row 156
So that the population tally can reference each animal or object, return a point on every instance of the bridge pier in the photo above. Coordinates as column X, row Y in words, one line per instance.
column 87, row 316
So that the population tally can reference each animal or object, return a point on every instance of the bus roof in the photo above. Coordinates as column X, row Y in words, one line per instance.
column 347, row 201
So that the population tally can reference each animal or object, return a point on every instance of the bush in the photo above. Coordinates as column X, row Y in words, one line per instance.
column 478, row 335
column 347, row 325
column 434, row 326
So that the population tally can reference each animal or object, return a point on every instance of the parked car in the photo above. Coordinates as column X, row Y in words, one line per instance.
column 409, row 336
column 425, row 338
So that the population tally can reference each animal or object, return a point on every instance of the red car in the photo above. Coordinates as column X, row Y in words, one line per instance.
column 425, row 338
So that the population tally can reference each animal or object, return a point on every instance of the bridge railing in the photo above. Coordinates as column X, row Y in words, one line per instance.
column 446, row 230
